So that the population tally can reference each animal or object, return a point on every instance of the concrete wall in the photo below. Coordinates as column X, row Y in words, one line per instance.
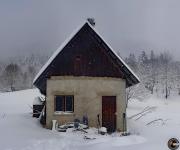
column 88, row 92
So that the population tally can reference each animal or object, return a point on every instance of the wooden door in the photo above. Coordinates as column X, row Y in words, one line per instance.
column 108, row 113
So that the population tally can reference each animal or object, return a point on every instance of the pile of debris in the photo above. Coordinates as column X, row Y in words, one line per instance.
column 63, row 128
column 76, row 126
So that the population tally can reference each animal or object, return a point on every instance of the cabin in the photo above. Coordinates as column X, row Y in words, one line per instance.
column 85, row 77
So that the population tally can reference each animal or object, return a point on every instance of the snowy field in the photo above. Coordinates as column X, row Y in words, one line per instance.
column 19, row 131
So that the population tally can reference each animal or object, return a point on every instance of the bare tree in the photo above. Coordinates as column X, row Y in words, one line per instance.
column 166, row 59
column 31, row 72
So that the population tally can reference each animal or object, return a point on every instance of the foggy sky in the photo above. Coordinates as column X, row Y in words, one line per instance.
column 40, row 26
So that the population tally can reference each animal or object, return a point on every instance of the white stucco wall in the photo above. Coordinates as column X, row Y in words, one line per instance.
column 88, row 92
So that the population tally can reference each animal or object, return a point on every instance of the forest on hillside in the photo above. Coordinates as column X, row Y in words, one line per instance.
column 17, row 73
column 158, row 73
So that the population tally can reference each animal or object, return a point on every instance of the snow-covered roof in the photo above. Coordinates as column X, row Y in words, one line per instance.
column 119, row 57
column 37, row 101
column 67, row 41
column 58, row 51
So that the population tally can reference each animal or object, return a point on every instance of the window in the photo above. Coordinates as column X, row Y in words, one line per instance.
column 64, row 103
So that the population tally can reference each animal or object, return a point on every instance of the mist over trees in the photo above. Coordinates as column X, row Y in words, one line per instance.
column 159, row 74
column 17, row 73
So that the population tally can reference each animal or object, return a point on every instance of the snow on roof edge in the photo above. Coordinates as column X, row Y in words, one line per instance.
column 66, row 42
column 58, row 51
column 37, row 101
column 124, row 63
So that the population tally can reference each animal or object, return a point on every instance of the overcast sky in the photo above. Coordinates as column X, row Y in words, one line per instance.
column 127, row 25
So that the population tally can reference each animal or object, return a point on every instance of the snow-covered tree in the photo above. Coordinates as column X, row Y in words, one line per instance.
column 158, row 74
column 11, row 74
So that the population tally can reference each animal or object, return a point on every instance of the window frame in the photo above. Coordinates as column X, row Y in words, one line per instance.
column 64, row 104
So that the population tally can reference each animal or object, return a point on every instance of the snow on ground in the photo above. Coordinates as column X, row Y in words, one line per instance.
column 167, row 114
column 19, row 131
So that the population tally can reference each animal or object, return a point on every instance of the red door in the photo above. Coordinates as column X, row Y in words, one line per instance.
column 108, row 113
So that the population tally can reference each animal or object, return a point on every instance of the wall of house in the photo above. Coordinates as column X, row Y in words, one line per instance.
column 88, row 92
